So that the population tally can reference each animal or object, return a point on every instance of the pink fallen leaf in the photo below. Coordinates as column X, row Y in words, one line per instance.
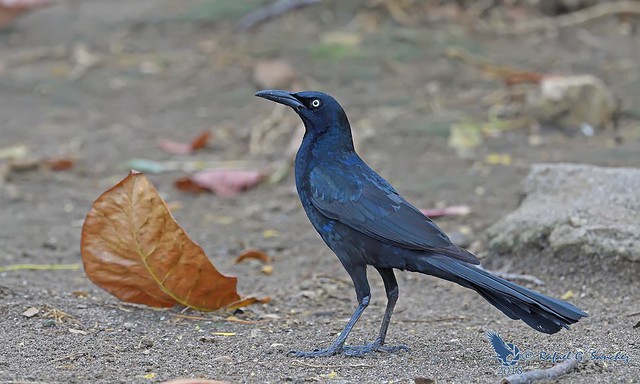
column 227, row 182
column 454, row 210
column 174, row 147
column 179, row 148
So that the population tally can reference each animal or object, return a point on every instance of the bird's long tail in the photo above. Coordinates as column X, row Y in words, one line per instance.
column 542, row 313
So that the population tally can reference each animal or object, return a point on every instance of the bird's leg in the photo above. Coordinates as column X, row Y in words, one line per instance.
column 391, row 287
column 363, row 292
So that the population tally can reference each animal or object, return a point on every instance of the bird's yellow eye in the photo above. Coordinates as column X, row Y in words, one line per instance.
column 315, row 103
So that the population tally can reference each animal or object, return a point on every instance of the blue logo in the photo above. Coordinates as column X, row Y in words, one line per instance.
column 508, row 354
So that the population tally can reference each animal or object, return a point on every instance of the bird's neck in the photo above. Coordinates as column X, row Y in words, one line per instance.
column 328, row 137
column 322, row 146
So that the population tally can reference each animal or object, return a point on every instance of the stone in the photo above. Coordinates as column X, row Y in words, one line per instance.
column 576, row 212
column 573, row 102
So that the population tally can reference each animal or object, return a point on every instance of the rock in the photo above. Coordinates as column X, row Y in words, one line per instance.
column 276, row 348
column 574, row 102
column 30, row 312
column 577, row 212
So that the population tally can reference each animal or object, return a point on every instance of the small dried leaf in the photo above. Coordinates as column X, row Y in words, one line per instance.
column 567, row 295
column 253, row 254
column 185, row 184
column 464, row 138
column 498, row 159
column 522, row 77
column 29, row 313
column 179, row 148
column 246, row 302
column 224, row 333
column 23, row 165
column 201, row 140
column 227, row 182
column 174, row 147
column 13, row 152
column 269, row 233
column 59, row 163
column 455, row 210
column 347, row 39
column 133, row 248
column 10, row 9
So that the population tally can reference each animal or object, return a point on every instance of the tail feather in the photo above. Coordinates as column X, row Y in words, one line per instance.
column 542, row 313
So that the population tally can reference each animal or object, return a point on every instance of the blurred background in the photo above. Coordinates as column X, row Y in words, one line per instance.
column 450, row 100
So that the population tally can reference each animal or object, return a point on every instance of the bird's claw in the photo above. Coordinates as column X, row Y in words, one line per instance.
column 316, row 353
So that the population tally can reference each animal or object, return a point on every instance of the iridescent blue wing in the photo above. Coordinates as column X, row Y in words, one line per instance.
column 353, row 194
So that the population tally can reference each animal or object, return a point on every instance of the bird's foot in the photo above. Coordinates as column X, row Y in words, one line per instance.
column 351, row 350
column 376, row 346
column 317, row 352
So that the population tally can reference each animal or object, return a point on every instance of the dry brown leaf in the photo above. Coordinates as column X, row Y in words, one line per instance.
column 201, row 140
column 133, row 248
column 59, row 163
column 185, row 184
column 246, row 302
column 253, row 254
column 11, row 9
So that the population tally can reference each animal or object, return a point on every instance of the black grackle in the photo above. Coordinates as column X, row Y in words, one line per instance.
column 366, row 222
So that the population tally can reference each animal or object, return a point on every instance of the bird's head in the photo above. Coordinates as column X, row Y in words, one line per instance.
column 319, row 112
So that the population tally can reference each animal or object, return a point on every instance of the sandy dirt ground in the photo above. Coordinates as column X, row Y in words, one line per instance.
column 170, row 69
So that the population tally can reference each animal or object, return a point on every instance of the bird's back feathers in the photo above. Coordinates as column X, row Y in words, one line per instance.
column 356, row 196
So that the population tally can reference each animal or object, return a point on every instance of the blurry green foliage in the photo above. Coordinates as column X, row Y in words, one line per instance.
column 334, row 51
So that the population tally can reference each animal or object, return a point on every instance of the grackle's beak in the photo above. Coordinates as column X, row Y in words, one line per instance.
column 282, row 97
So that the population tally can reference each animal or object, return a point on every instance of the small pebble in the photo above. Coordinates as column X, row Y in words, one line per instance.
column 146, row 343
column 224, row 359
column 575, row 221
column 276, row 348
column 49, row 323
